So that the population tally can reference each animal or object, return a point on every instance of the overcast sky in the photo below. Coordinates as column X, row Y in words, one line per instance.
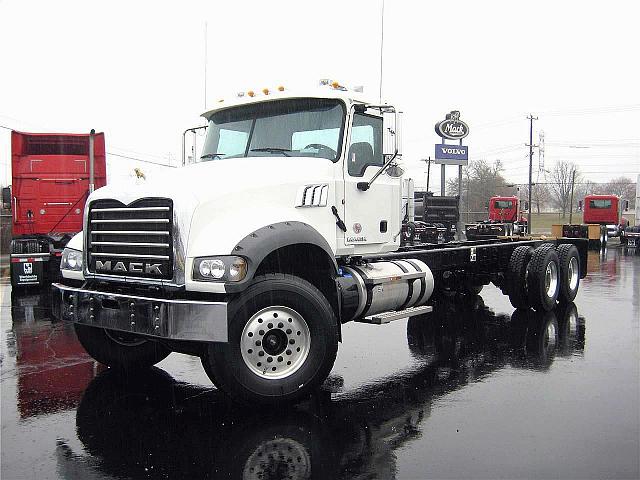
column 135, row 70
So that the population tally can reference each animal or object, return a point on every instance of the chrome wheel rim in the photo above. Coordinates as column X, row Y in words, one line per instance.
column 551, row 279
column 573, row 273
column 275, row 342
column 281, row 458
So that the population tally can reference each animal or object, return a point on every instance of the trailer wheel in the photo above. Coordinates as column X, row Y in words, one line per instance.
column 516, row 277
column 120, row 350
column 569, row 271
column 283, row 340
column 543, row 278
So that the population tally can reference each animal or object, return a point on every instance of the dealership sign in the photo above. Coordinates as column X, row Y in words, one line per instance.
column 452, row 127
column 455, row 154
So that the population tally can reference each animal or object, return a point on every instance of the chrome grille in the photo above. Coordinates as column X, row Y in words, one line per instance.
column 131, row 240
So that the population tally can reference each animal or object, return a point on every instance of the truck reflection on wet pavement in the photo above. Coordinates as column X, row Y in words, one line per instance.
column 461, row 392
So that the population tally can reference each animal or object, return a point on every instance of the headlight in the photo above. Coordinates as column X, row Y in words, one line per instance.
column 219, row 269
column 71, row 260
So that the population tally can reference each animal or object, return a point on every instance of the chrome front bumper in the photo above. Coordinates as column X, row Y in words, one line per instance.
column 169, row 319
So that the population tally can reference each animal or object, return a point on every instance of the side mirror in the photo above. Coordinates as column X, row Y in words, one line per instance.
column 395, row 171
column 6, row 198
column 526, row 206
column 626, row 205
column 579, row 205
column 391, row 136
column 486, row 206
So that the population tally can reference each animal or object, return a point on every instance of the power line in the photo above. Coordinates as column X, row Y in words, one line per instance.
column 140, row 160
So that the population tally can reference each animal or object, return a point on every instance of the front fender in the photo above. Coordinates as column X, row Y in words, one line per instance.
column 257, row 245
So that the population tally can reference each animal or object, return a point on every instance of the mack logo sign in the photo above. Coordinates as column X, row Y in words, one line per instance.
column 131, row 267
column 452, row 127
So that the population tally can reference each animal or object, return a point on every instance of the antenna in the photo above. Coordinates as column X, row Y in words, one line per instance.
column 205, row 65
column 381, row 46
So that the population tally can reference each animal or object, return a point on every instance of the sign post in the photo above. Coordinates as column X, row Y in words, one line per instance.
column 452, row 128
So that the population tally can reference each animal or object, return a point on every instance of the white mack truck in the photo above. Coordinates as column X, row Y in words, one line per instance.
column 290, row 224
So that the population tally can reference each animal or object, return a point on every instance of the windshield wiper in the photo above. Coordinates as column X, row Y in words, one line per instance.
column 211, row 155
column 283, row 151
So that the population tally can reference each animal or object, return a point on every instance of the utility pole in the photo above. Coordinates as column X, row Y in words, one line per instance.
column 531, row 119
column 573, row 182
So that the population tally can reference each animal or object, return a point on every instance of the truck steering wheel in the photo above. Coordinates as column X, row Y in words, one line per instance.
column 322, row 148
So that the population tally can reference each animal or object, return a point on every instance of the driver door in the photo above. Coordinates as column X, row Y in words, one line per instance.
column 372, row 217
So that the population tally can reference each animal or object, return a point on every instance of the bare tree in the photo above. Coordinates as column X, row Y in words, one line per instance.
column 540, row 195
column 559, row 181
column 623, row 187
column 480, row 181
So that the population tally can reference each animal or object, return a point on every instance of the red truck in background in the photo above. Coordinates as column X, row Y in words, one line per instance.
column 52, row 175
column 602, row 218
column 505, row 219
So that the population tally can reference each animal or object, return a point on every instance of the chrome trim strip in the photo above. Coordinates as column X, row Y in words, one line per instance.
column 132, row 209
column 133, row 244
column 29, row 255
column 128, row 232
column 127, row 255
column 155, row 317
column 136, row 220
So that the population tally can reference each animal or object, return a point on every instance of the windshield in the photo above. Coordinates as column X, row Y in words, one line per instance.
column 306, row 127
column 503, row 204
column 600, row 203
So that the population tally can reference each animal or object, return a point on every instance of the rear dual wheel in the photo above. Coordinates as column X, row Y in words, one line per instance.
column 543, row 278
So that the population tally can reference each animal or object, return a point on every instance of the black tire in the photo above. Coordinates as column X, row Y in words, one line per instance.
column 250, row 382
column 543, row 278
column 605, row 237
column 516, row 276
column 569, row 272
column 120, row 350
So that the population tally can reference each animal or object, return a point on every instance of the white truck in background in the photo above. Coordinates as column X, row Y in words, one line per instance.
column 288, row 226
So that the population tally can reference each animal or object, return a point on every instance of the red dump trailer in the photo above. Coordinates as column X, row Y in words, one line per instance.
column 52, row 175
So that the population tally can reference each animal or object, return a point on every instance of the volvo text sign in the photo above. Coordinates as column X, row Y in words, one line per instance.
column 452, row 154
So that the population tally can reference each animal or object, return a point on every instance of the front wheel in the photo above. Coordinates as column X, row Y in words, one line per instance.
column 120, row 350
column 283, row 340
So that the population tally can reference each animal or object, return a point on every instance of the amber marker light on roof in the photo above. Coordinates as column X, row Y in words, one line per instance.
column 265, row 91
column 281, row 88
column 335, row 84
column 251, row 93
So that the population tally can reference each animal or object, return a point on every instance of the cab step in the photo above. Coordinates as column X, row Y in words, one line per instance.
column 386, row 317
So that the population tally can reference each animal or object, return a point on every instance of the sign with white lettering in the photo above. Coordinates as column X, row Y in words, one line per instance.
column 452, row 127
column 452, row 154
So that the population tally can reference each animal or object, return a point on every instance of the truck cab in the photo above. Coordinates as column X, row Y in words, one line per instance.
column 503, row 209
column 604, row 210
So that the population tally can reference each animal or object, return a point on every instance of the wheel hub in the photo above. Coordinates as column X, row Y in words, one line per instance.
column 275, row 342
column 551, row 279
column 573, row 273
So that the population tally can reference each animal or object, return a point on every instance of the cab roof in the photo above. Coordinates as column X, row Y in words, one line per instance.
column 280, row 93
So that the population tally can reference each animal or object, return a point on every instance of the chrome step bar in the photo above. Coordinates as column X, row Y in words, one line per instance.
column 386, row 317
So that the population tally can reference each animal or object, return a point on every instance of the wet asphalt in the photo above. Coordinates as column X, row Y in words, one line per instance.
column 474, row 390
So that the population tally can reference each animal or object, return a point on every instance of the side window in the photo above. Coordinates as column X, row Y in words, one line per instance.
column 366, row 144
